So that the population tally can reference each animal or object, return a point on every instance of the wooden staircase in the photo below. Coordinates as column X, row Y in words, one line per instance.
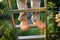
column 30, row 25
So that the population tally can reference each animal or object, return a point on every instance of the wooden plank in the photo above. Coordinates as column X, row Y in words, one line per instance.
column 32, row 37
column 28, row 10
column 30, row 25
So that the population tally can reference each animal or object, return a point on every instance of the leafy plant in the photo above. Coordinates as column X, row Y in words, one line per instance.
column 51, row 4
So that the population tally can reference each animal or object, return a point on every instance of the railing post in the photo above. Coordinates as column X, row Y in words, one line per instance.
column 12, row 17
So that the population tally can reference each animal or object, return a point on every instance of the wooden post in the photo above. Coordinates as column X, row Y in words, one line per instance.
column 12, row 17
column 10, row 8
column 46, row 14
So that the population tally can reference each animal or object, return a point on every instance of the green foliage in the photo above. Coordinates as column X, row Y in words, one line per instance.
column 2, row 4
column 9, row 30
column 14, row 4
column 51, row 4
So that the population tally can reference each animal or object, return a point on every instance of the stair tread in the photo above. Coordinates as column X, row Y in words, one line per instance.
column 30, row 25
column 31, row 37
column 28, row 10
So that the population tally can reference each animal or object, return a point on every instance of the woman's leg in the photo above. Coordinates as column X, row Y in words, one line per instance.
column 35, row 15
column 22, row 4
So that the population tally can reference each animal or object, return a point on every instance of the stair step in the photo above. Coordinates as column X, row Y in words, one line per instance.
column 28, row 10
column 32, row 37
column 30, row 25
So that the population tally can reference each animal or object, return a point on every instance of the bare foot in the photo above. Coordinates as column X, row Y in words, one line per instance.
column 24, row 25
column 40, row 24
